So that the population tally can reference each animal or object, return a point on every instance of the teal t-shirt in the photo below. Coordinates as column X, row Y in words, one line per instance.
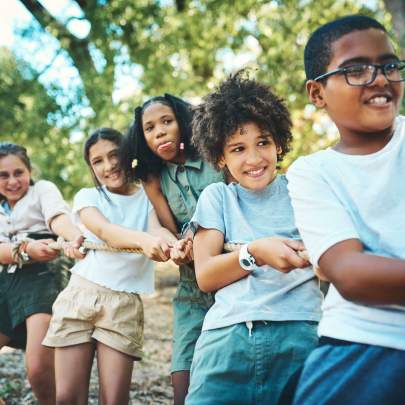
column 183, row 184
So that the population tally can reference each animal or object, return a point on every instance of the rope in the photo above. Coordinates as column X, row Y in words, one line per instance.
column 86, row 245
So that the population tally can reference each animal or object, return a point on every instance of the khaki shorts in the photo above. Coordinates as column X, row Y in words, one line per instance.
column 85, row 311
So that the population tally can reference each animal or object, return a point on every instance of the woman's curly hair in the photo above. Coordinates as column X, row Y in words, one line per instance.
column 237, row 101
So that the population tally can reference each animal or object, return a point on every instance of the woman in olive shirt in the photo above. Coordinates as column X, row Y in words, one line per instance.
column 159, row 152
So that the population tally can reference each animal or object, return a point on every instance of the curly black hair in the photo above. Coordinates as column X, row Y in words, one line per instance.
column 149, row 164
column 318, row 50
column 237, row 101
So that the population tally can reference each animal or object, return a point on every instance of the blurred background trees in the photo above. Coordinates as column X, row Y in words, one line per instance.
column 90, row 63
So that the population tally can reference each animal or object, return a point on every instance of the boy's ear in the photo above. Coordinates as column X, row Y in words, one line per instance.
column 221, row 163
column 315, row 93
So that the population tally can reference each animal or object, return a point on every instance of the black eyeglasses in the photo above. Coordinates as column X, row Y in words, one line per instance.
column 365, row 74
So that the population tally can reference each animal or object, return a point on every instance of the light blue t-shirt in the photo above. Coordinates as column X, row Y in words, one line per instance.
column 244, row 215
column 130, row 272
column 338, row 197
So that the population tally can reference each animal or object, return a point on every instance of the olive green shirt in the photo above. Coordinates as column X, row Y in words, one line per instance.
column 183, row 184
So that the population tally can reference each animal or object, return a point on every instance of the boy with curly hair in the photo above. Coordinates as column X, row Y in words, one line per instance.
column 263, row 322
column 349, row 206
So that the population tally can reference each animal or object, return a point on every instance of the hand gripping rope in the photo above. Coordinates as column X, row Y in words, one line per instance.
column 87, row 245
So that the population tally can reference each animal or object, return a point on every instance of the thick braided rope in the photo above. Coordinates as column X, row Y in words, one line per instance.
column 86, row 245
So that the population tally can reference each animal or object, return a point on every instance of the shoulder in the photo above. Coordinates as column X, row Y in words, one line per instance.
column 86, row 195
column 209, row 170
column 87, row 191
column 314, row 160
column 44, row 186
column 215, row 189
column 140, row 195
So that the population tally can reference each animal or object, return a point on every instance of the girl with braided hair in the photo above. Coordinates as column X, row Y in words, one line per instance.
column 30, row 213
column 174, row 176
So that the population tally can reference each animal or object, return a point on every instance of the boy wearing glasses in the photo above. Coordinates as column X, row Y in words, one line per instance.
column 349, row 205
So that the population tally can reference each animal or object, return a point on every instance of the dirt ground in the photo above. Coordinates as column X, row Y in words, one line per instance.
column 150, row 379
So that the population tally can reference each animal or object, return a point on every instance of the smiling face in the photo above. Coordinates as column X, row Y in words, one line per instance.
column 104, row 161
column 162, row 133
column 14, row 178
column 359, row 112
column 250, row 155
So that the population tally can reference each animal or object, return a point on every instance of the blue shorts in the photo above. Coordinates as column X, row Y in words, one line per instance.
column 232, row 366
column 190, row 306
column 339, row 372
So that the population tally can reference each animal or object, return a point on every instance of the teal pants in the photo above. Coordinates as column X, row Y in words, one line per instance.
column 190, row 305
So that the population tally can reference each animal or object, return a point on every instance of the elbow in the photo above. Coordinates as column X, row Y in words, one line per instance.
column 347, row 284
column 204, row 283
column 205, row 287
column 106, row 237
column 348, row 290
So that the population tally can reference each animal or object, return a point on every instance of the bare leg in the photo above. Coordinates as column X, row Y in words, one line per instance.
column 4, row 340
column 115, row 372
column 180, row 382
column 39, row 359
column 72, row 370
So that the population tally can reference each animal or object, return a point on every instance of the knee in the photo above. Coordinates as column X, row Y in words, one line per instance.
column 41, row 378
column 66, row 395
column 66, row 399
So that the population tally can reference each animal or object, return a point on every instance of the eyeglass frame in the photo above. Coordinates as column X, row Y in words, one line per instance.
column 376, row 66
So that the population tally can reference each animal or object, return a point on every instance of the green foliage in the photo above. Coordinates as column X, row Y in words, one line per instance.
column 28, row 117
column 157, row 46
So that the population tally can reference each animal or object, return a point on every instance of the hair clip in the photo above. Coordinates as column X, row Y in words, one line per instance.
column 181, row 145
column 134, row 163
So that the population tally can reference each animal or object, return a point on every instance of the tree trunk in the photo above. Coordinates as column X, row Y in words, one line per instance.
column 97, row 85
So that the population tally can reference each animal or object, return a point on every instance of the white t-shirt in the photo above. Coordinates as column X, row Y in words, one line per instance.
column 128, row 272
column 33, row 212
column 336, row 197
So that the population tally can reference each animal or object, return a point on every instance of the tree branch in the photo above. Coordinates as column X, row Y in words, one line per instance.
column 397, row 11
column 77, row 48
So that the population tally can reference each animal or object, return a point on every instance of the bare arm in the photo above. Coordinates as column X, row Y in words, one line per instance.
column 38, row 250
column 120, row 237
column 5, row 253
column 363, row 277
column 63, row 226
column 180, row 251
column 156, row 229
column 160, row 204
column 215, row 270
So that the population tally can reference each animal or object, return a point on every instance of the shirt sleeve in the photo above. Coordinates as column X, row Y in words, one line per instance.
column 209, row 210
column 51, row 201
column 320, row 217
column 86, row 197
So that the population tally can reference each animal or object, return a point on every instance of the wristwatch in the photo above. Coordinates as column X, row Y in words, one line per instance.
column 25, row 257
column 246, row 260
